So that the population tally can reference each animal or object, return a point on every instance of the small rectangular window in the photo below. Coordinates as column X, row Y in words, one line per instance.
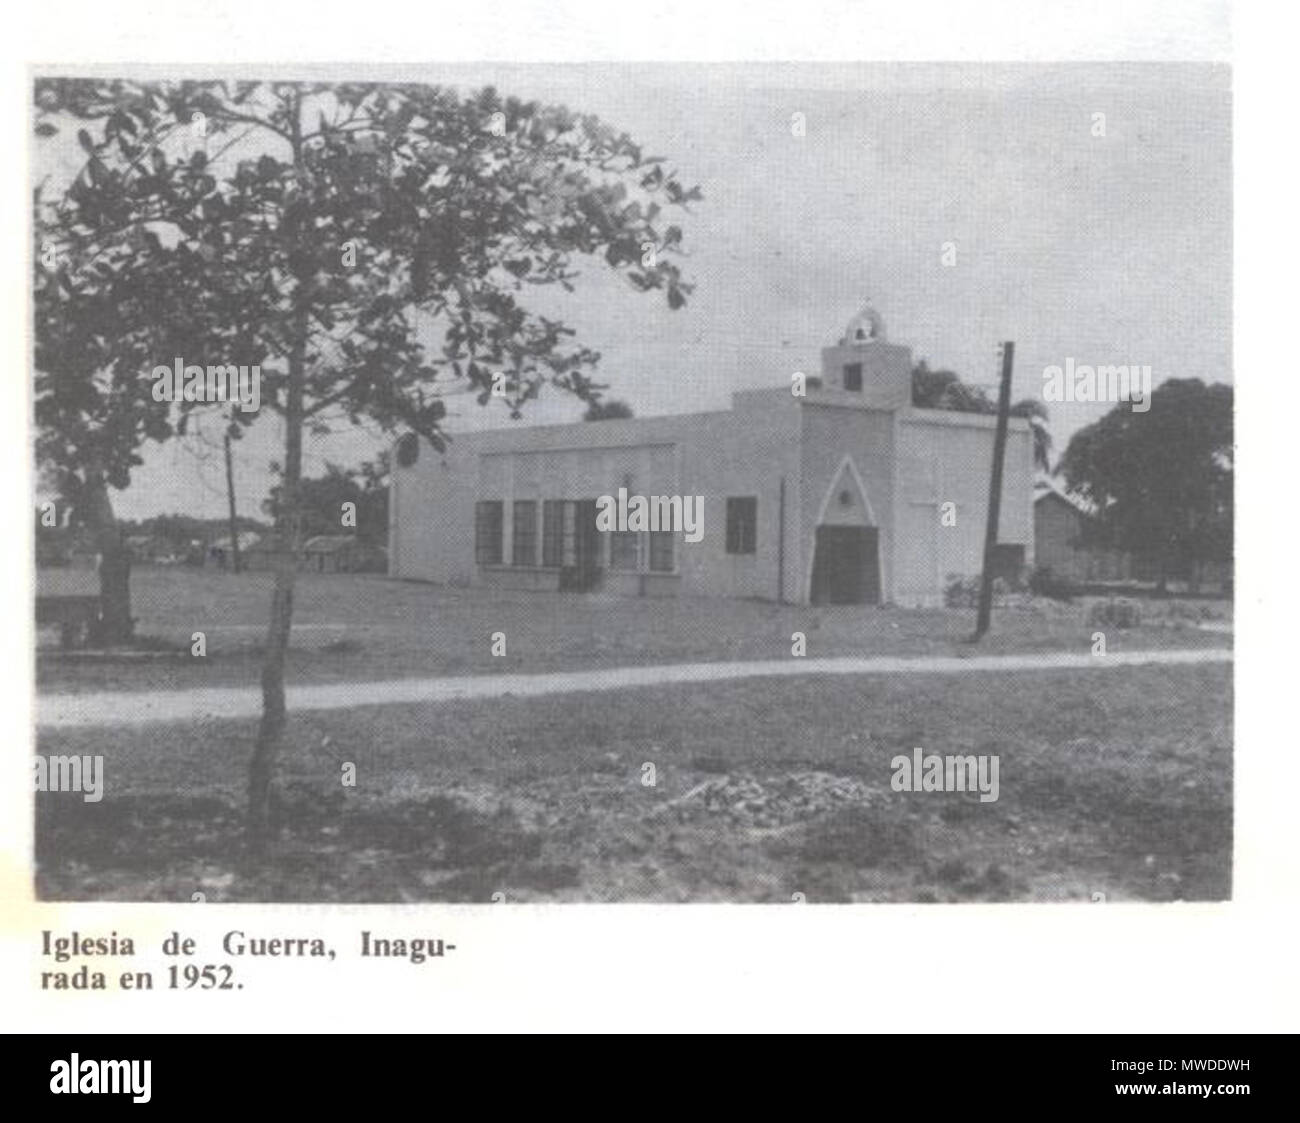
column 524, row 543
column 742, row 525
column 853, row 377
column 488, row 517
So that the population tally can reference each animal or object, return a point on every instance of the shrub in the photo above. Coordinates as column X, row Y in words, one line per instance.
column 1115, row 613
column 961, row 592
column 964, row 592
column 1044, row 583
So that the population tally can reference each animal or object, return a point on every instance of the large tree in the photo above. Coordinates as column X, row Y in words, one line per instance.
column 1161, row 480
column 107, row 302
column 369, row 245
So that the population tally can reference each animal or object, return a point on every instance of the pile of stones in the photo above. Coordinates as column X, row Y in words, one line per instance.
column 771, row 801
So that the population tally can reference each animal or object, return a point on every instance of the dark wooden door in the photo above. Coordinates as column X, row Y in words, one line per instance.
column 846, row 565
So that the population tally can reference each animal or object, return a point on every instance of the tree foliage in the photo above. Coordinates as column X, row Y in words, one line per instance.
column 368, row 209
column 1161, row 481
column 611, row 409
column 321, row 501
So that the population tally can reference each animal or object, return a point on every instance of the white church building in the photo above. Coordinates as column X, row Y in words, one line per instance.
column 843, row 494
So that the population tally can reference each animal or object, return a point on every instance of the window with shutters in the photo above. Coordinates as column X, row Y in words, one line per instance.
column 488, row 517
column 553, row 533
column 625, row 550
column 524, row 542
column 661, row 551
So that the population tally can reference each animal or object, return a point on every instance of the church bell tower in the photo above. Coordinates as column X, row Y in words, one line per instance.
column 864, row 364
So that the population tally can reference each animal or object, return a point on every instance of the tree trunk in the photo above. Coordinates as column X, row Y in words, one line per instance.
column 115, row 623
column 230, row 494
column 288, row 529
column 261, row 769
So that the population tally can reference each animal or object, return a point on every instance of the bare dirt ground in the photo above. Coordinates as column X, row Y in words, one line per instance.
column 1115, row 785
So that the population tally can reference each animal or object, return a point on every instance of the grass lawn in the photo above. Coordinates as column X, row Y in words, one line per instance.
column 363, row 628
column 1114, row 784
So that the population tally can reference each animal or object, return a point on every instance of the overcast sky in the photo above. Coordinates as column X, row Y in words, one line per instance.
column 1113, row 249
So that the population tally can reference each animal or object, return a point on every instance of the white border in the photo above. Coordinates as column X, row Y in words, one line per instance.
column 896, row 969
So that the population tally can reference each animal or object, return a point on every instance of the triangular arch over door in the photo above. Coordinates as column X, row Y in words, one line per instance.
column 847, row 480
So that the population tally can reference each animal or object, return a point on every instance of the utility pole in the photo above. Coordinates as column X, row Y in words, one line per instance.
column 230, row 494
column 995, row 493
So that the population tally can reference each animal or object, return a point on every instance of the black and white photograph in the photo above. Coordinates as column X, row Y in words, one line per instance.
column 623, row 483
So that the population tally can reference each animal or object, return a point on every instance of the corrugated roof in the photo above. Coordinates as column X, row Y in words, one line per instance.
column 1047, row 488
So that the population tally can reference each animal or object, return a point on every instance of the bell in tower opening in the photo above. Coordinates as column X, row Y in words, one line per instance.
column 865, row 327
